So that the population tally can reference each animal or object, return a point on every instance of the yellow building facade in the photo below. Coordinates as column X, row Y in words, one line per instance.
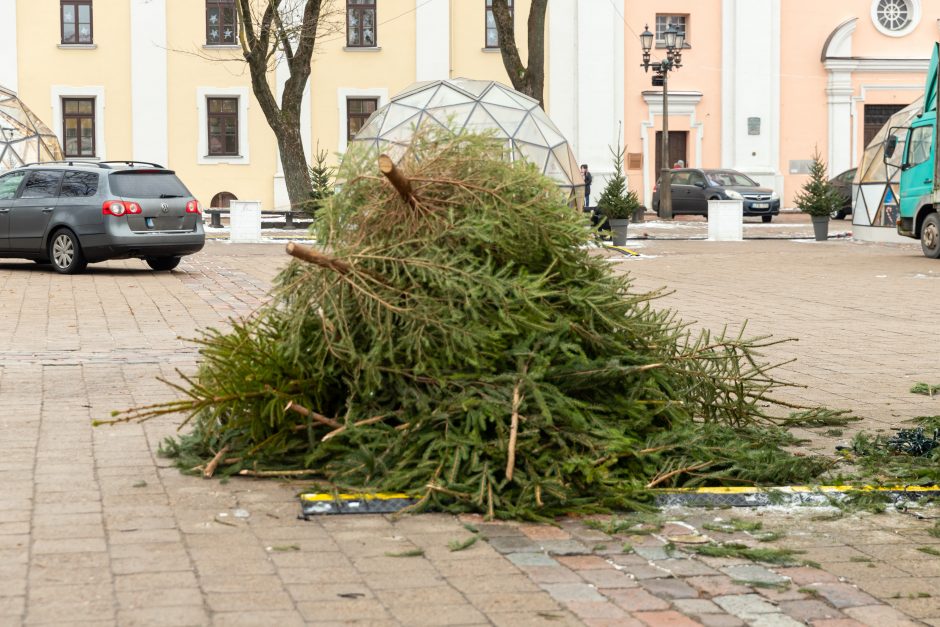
column 163, row 80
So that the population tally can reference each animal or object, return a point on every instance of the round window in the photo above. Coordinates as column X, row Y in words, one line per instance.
column 895, row 17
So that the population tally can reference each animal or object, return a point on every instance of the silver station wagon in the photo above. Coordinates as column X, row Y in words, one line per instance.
column 71, row 214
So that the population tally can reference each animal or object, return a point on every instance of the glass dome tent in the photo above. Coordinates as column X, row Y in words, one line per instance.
column 875, row 187
column 23, row 136
column 462, row 104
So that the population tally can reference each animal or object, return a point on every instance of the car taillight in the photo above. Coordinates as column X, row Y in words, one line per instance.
column 119, row 208
column 193, row 207
column 113, row 208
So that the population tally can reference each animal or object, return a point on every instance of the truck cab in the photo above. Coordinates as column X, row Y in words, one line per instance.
column 919, row 193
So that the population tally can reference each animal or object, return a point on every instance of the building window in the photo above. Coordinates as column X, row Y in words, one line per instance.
column 492, row 36
column 664, row 20
column 360, row 24
column 221, row 23
column 76, row 22
column 358, row 111
column 78, row 126
column 223, row 126
column 894, row 15
column 875, row 118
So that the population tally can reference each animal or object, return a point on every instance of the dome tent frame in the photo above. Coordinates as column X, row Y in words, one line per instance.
column 468, row 105
column 24, row 138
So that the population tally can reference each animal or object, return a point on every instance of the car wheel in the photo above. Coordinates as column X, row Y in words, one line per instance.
column 65, row 252
column 766, row 219
column 930, row 236
column 163, row 263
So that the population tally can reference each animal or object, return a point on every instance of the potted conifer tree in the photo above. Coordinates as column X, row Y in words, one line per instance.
column 818, row 198
column 616, row 203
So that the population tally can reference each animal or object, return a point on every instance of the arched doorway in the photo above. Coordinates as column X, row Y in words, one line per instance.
column 222, row 200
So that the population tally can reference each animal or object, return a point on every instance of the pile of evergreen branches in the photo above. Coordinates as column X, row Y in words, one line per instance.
column 452, row 337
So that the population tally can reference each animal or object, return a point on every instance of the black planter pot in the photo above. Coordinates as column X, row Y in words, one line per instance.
column 821, row 228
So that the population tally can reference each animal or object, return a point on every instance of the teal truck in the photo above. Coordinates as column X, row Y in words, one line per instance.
column 919, row 175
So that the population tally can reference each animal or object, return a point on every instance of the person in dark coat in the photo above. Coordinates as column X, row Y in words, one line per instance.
column 587, row 184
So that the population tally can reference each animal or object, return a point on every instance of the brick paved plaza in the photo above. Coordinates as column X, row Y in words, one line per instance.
column 97, row 529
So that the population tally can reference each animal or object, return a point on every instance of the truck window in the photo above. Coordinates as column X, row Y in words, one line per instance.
column 919, row 147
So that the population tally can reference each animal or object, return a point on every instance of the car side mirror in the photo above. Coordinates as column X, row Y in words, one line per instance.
column 890, row 145
column 699, row 184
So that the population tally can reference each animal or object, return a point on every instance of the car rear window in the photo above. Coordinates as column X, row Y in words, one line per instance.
column 731, row 179
column 79, row 184
column 148, row 184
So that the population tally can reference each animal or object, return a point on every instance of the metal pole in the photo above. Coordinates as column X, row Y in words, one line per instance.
column 665, row 188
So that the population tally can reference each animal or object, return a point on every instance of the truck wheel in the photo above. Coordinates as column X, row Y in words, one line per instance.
column 930, row 236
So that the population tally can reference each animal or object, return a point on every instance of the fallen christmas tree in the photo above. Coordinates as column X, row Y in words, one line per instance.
column 452, row 336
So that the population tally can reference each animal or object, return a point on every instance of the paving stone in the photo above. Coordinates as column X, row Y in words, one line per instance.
column 252, row 619
column 514, row 544
column 544, row 532
column 438, row 614
column 745, row 605
column 837, row 622
column 670, row 588
column 685, row 567
column 609, row 578
column 653, row 552
column 668, row 618
column 513, row 602
column 343, row 610
column 842, row 595
column 717, row 585
column 620, row 621
column 595, row 609
column 774, row 620
column 565, row 592
column 804, row 575
column 879, row 615
column 531, row 559
column 694, row 607
column 564, row 547
column 517, row 582
column 754, row 573
column 554, row 574
column 720, row 620
column 634, row 599
column 542, row 618
column 584, row 562
column 809, row 610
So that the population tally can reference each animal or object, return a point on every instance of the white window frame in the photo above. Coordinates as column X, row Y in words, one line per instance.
column 347, row 92
column 911, row 25
column 59, row 92
column 202, row 145
column 660, row 42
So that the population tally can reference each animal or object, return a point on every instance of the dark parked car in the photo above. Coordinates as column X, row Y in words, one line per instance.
column 843, row 184
column 692, row 188
column 71, row 214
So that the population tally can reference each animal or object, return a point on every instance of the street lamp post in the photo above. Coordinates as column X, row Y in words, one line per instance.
column 674, row 40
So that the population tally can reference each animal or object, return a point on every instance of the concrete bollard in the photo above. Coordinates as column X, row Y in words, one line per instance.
column 245, row 221
column 725, row 220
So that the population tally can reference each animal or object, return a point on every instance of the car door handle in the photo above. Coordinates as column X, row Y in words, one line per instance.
column 5, row 210
column 928, row 181
column 48, row 210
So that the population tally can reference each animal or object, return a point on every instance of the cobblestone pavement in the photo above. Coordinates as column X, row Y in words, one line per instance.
column 97, row 529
